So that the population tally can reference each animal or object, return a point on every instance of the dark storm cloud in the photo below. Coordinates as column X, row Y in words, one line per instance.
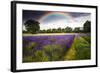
column 77, row 14
column 30, row 14
column 36, row 15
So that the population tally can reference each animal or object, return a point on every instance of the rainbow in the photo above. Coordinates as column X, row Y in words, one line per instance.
column 65, row 15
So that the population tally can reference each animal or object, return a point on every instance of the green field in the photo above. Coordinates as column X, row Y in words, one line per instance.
column 80, row 49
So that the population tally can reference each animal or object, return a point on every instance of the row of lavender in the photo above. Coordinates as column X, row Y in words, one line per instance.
column 46, row 48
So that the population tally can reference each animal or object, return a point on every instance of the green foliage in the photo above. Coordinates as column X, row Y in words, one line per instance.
column 58, row 30
column 87, row 26
column 48, row 53
column 25, row 31
column 28, row 59
column 49, row 30
column 31, row 46
column 77, row 29
column 32, row 26
column 83, row 49
column 87, row 38
column 29, row 49
column 42, row 31
column 68, row 29
column 40, row 56
column 54, row 52
column 54, row 30
column 80, row 50
column 63, row 30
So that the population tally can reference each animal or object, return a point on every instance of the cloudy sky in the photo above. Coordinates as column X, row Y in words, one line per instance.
column 53, row 19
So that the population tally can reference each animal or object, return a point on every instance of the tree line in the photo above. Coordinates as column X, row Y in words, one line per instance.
column 32, row 26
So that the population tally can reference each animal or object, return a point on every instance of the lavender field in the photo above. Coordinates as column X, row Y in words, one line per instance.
column 56, row 48
column 55, row 36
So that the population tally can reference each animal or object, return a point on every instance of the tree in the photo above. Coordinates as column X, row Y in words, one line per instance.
column 63, row 30
column 87, row 26
column 59, row 30
column 77, row 29
column 68, row 29
column 25, row 31
column 49, row 30
column 54, row 30
column 32, row 26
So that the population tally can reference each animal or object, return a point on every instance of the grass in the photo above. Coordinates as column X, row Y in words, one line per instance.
column 71, row 54
column 80, row 49
column 83, row 48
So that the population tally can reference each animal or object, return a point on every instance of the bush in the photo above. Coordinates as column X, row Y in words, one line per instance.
column 40, row 56
column 87, row 38
column 31, row 46
column 54, row 52
column 83, row 49
column 28, row 59
column 29, row 49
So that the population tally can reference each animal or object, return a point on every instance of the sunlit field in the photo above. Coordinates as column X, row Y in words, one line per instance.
column 56, row 47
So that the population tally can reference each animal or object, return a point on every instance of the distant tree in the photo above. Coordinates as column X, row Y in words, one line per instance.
column 54, row 30
column 25, row 31
column 68, row 29
column 40, row 31
column 32, row 26
column 87, row 26
column 63, row 30
column 59, row 29
column 43, row 31
column 77, row 29
column 49, row 30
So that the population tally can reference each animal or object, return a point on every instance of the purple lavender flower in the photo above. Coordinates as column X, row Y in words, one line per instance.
column 63, row 40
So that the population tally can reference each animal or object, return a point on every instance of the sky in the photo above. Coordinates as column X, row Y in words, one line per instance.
column 56, row 19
